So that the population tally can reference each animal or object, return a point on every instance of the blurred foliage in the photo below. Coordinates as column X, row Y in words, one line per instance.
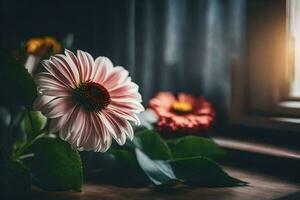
column 30, row 155
column 55, row 166
column 16, row 85
column 39, row 123
column 151, row 159
column 201, row 171
column 14, row 181
column 149, row 142
column 193, row 146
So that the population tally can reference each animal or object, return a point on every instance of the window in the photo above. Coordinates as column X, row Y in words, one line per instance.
column 266, row 83
column 294, row 45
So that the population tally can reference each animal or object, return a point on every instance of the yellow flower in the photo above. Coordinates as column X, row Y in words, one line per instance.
column 41, row 45
column 36, row 46
column 182, row 107
column 51, row 42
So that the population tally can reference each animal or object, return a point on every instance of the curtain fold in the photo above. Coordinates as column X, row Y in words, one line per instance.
column 173, row 45
column 188, row 45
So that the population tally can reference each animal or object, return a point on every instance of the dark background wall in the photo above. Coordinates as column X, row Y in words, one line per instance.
column 101, row 27
column 176, row 45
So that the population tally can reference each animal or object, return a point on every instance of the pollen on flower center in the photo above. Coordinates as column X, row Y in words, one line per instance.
column 182, row 107
column 92, row 96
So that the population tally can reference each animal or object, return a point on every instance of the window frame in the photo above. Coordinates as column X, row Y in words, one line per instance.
column 261, row 80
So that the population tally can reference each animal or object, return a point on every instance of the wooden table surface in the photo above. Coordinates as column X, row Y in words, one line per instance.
column 262, row 187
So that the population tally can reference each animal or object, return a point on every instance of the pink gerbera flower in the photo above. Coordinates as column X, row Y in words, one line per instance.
column 184, row 113
column 88, row 101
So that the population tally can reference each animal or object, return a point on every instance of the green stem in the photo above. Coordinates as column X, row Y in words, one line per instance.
column 20, row 151
column 30, row 141
column 23, row 157
column 11, row 123
column 15, row 119
column 31, row 121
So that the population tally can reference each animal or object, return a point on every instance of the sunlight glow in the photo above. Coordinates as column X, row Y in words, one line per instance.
column 295, row 40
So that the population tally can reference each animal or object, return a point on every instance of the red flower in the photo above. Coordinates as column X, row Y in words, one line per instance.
column 185, row 113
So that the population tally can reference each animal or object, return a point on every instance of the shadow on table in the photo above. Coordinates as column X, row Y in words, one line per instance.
column 293, row 196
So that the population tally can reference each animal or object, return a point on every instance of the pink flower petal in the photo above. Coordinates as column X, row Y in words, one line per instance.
column 102, row 67
column 57, row 107
column 85, row 65
column 128, row 106
column 113, row 127
column 58, row 72
column 73, row 59
column 129, row 88
column 104, row 141
column 184, row 97
column 91, row 64
column 83, row 140
column 121, row 122
column 162, row 100
column 49, row 86
column 57, row 123
column 46, row 79
column 117, row 77
column 72, row 129
column 128, row 115
column 127, row 98
column 199, row 118
column 85, row 125
column 69, row 65
column 41, row 100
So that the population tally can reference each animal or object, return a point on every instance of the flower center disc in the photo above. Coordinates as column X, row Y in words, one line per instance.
column 182, row 107
column 92, row 96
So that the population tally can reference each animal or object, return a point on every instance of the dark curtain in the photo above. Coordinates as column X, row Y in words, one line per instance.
column 174, row 45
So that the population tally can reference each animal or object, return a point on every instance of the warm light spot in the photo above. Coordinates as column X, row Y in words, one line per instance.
column 294, row 46
column 41, row 45
column 182, row 107
column 36, row 46
column 54, row 44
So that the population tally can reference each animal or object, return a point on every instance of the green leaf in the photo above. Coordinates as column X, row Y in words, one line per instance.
column 126, row 168
column 158, row 171
column 153, row 145
column 39, row 121
column 125, row 158
column 16, row 83
column 202, row 171
column 14, row 181
column 116, row 166
column 192, row 146
column 55, row 165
